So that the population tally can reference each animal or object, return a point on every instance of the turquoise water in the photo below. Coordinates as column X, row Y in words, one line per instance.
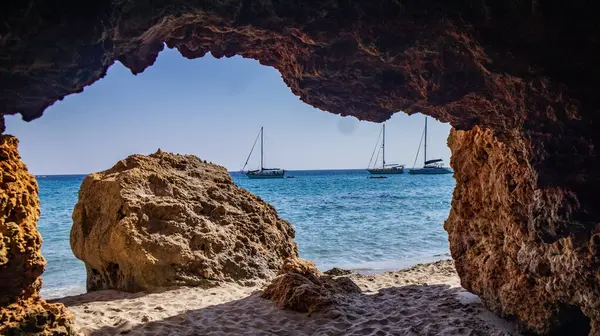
column 342, row 218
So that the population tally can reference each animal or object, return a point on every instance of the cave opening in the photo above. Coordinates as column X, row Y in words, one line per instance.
column 390, row 225
column 516, row 80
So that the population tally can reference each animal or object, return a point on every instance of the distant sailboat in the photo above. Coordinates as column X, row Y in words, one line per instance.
column 385, row 168
column 262, row 173
column 430, row 167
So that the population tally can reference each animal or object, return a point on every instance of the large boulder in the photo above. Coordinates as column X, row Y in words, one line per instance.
column 508, row 244
column 166, row 219
column 22, row 311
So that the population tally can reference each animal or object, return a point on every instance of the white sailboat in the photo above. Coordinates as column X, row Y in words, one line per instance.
column 430, row 167
column 262, row 173
column 385, row 168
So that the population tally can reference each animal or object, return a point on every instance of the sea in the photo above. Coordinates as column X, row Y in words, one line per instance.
column 342, row 219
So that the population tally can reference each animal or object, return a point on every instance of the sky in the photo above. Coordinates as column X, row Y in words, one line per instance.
column 212, row 108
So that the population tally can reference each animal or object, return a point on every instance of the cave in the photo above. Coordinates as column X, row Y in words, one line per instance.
column 514, row 78
column 572, row 322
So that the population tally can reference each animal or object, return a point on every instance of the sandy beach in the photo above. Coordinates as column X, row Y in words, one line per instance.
column 423, row 300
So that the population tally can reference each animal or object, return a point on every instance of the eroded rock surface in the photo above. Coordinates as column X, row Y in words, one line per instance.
column 22, row 311
column 301, row 287
column 500, row 230
column 166, row 219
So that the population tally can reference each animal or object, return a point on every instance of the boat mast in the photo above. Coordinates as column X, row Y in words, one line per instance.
column 251, row 150
column 425, row 154
column 383, row 146
column 261, row 148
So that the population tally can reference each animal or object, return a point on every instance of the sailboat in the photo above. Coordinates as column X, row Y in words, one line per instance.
column 262, row 173
column 385, row 168
column 434, row 166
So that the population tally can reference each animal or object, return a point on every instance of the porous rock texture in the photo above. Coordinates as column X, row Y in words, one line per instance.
column 22, row 310
column 302, row 287
column 497, row 229
column 527, row 71
column 166, row 219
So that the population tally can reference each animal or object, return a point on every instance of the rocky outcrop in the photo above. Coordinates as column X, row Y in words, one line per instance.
column 166, row 219
column 501, row 230
column 22, row 311
column 301, row 287
column 525, row 70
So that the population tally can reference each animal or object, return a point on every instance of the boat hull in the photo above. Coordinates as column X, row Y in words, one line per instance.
column 430, row 171
column 385, row 171
column 260, row 176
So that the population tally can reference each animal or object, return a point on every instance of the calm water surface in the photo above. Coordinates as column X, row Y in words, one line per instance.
column 342, row 218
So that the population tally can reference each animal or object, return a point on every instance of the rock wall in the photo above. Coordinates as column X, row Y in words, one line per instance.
column 498, row 229
column 165, row 219
column 22, row 311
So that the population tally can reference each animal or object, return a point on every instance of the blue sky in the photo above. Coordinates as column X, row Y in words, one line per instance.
column 213, row 109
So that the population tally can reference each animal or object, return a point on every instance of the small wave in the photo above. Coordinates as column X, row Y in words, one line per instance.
column 377, row 267
column 55, row 293
column 442, row 255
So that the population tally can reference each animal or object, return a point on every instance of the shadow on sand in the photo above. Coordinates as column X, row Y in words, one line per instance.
column 102, row 296
column 405, row 310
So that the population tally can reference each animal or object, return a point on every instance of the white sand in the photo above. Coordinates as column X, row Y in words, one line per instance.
column 423, row 300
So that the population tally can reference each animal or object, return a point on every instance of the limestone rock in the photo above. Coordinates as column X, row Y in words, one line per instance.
column 501, row 230
column 22, row 311
column 302, row 288
column 166, row 219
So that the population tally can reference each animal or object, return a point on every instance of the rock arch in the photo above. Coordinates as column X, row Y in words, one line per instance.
column 517, row 80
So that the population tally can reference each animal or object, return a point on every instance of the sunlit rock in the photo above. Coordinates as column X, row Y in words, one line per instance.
column 165, row 219
column 22, row 311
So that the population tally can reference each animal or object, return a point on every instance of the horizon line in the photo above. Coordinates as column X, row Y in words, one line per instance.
column 229, row 171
